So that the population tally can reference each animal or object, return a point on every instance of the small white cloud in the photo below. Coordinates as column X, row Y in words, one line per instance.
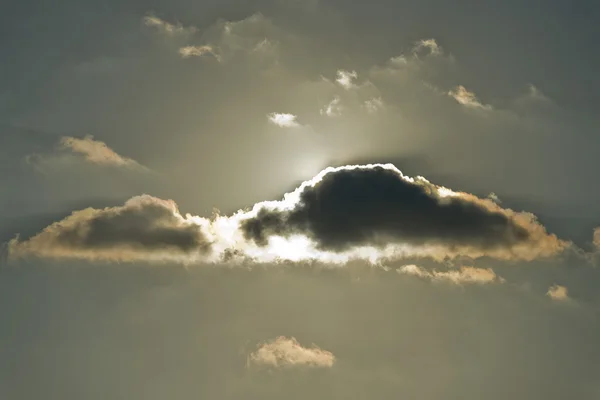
column 558, row 292
column 466, row 98
column 333, row 109
column 346, row 78
column 427, row 44
column 197, row 51
column 464, row 275
column 285, row 352
column 373, row 105
column 167, row 28
column 283, row 120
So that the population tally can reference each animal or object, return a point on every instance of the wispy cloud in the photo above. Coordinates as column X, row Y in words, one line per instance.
column 467, row 98
column 464, row 275
column 333, row 108
column 283, row 120
column 285, row 352
column 427, row 44
column 97, row 152
column 167, row 28
column 198, row 51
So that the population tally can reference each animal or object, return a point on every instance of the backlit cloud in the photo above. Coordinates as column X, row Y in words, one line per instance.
column 377, row 206
column 558, row 292
column 283, row 120
column 143, row 229
column 367, row 212
column 285, row 352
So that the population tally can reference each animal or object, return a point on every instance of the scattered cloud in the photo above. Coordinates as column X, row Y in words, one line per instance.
column 596, row 237
column 373, row 105
column 466, row 98
column 167, row 28
column 346, row 78
column 198, row 51
column 285, row 352
column 427, row 44
column 558, row 292
column 464, row 275
column 333, row 109
column 283, row 120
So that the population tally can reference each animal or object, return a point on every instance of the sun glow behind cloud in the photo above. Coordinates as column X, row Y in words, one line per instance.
column 153, row 229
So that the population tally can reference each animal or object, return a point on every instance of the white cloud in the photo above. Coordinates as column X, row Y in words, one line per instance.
column 346, row 78
column 596, row 237
column 373, row 105
column 464, row 275
column 428, row 44
column 333, row 109
column 197, row 51
column 283, row 120
column 285, row 352
column 558, row 292
column 466, row 98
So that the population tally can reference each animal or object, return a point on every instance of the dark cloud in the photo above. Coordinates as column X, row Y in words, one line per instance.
column 377, row 206
column 145, row 228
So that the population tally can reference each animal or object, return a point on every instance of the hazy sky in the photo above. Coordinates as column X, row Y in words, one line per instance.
column 299, row 199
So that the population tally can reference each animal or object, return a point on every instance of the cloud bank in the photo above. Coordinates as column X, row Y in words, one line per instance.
column 367, row 212
column 285, row 352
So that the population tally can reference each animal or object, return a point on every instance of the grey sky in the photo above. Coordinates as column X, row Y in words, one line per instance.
column 204, row 105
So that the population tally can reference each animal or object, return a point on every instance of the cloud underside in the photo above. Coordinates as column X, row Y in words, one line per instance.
column 367, row 212
column 285, row 352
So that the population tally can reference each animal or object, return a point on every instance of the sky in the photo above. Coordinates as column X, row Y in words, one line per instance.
column 315, row 199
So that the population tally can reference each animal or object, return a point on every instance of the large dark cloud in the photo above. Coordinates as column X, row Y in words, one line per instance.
column 144, row 228
column 377, row 205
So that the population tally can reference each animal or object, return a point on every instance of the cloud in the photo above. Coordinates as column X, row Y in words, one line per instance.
column 367, row 212
column 427, row 44
column 464, row 275
column 167, row 28
column 373, row 105
column 466, row 98
column 333, row 109
column 198, row 51
column 285, row 352
column 596, row 237
column 283, row 120
column 346, row 78
column 143, row 229
column 97, row 152
column 377, row 206
column 558, row 292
